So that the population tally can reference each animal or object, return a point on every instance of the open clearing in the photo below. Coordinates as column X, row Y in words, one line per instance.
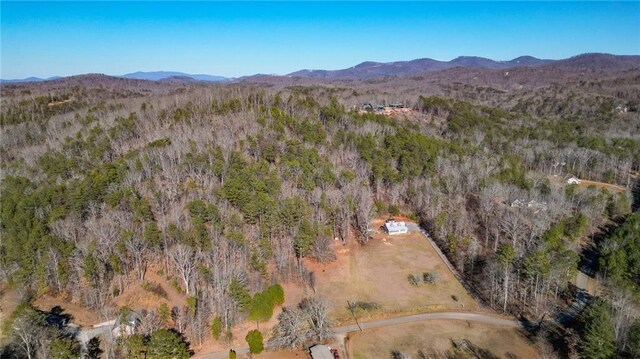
column 377, row 272
column 437, row 335
column 584, row 183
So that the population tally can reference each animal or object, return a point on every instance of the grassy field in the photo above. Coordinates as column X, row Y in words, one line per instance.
column 436, row 337
column 377, row 272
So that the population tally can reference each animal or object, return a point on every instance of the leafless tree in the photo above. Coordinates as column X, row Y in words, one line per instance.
column 183, row 260
column 363, row 211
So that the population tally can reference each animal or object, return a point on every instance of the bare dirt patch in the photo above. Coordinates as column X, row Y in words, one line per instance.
column 378, row 272
column 437, row 335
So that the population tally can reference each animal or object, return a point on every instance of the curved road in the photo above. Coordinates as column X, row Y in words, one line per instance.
column 341, row 331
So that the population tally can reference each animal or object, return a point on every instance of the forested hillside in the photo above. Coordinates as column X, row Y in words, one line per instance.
column 226, row 187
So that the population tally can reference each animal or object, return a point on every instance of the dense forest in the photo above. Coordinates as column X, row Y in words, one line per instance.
column 227, row 187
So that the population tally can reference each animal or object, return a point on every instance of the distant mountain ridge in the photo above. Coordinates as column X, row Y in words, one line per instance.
column 370, row 69
column 140, row 75
column 30, row 79
column 162, row 75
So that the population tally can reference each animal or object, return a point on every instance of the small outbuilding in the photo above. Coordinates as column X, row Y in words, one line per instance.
column 320, row 351
column 393, row 227
column 573, row 180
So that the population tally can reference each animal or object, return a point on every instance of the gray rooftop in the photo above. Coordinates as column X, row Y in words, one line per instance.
column 320, row 352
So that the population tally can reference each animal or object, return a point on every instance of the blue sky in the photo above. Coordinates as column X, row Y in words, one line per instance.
column 234, row 39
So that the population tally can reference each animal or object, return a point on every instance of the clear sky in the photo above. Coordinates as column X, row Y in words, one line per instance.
column 234, row 39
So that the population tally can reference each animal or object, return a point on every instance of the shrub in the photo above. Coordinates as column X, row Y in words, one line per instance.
column 175, row 285
column 366, row 306
column 254, row 339
column 414, row 279
column 394, row 210
column 430, row 277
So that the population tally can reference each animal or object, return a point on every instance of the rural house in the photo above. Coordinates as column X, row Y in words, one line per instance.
column 393, row 227
column 319, row 351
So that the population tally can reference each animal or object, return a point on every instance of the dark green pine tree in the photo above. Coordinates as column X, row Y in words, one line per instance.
column 166, row 344
column 598, row 336
column 65, row 348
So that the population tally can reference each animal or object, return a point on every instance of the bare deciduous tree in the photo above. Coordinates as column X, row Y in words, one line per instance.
column 183, row 259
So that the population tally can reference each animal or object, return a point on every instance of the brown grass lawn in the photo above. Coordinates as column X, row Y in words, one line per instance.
column 377, row 272
column 437, row 335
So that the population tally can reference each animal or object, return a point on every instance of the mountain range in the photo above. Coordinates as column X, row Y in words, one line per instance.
column 140, row 75
column 30, row 79
column 371, row 70
column 163, row 75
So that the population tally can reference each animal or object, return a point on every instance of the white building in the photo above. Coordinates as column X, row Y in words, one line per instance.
column 573, row 180
column 393, row 227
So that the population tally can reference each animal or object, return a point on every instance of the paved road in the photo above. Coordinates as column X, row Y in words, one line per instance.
column 341, row 331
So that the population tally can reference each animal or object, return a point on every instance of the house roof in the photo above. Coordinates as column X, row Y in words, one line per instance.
column 320, row 352
column 393, row 226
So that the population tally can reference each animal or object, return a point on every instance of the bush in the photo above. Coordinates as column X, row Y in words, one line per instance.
column 176, row 286
column 394, row 210
column 254, row 339
column 366, row 306
column 430, row 277
column 414, row 279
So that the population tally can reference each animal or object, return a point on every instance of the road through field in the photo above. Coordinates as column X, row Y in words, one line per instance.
column 341, row 331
